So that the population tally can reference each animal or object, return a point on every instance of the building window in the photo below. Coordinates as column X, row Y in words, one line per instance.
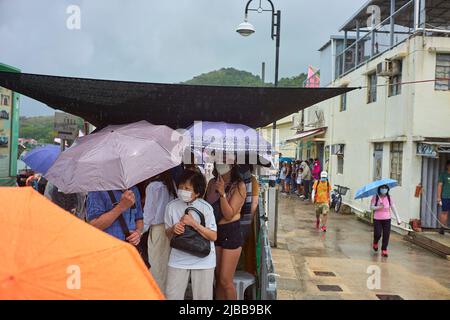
column 395, row 82
column 442, row 72
column 378, row 161
column 343, row 102
column 372, row 88
column 397, row 161
column 338, row 150
column 340, row 164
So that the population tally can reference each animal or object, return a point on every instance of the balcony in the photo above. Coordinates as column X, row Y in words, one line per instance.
column 380, row 25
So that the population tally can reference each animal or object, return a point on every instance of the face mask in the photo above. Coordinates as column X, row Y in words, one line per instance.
column 244, row 171
column 323, row 179
column 223, row 168
column 184, row 195
column 383, row 191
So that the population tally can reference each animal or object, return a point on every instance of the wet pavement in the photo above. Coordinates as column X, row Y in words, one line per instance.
column 340, row 263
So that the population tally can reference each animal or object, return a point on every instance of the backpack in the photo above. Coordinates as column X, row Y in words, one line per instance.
column 316, row 185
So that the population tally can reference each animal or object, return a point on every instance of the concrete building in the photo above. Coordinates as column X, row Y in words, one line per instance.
column 284, row 130
column 397, row 125
column 9, row 132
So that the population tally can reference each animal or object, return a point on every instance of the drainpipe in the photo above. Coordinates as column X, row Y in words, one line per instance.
column 392, row 31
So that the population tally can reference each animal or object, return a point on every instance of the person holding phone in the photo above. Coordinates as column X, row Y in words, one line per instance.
column 382, row 206
column 103, row 214
column 226, row 193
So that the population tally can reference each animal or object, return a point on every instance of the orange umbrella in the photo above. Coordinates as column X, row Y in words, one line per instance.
column 46, row 253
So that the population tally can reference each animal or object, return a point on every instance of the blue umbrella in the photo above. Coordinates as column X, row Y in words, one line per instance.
column 371, row 189
column 42, row 158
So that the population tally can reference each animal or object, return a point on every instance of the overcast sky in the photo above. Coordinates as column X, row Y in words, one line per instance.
column 161, row 41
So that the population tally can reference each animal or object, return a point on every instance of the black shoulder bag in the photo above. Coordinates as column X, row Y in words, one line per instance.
column 142, row 246
column 191, row 241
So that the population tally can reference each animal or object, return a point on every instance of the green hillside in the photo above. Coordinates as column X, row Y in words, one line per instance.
column 39, row 128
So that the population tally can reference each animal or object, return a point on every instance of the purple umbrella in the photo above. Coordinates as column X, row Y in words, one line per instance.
column 42, row 158
column 231, row 138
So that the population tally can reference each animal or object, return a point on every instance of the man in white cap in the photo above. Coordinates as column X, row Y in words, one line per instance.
column 321, row 198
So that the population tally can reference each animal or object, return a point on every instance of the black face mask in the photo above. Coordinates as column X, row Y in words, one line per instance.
column 244, row 171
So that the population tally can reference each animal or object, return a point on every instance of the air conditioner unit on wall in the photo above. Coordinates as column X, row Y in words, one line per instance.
column 297, row 123
column 389, row 68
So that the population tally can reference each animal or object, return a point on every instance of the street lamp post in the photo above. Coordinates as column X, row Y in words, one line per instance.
column 246, row 29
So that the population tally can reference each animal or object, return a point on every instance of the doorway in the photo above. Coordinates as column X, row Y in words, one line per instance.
column 429, row 209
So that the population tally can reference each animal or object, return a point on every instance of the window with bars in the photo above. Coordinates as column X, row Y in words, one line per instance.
column 395, row 83
column 372, row 88
column 340, row 164
column 343, row 103
column 442, row 72
column 397, row 161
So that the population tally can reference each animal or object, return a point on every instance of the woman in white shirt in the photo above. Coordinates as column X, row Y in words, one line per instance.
column 184, row 265
column 159, row 192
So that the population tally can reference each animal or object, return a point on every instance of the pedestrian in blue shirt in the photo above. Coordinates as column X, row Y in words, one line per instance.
column 104, row 215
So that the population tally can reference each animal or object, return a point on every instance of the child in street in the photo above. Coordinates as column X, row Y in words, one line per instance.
column 321, row 198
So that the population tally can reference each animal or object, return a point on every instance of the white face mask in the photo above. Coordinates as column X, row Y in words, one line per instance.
column 223, row 168
column 184, row 195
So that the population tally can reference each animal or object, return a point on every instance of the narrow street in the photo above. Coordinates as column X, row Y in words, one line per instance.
column 344, row 254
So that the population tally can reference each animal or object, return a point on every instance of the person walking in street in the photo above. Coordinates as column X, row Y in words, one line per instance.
column 287, row 181
column 306, row 179
column 226, row 193
column 184, row 265
column 321, row 198
column 283, row 171
column 105, row 214
column 316, row 169
column 300, row 182
column 159, row 192
column 444, row 197
column 382, row 206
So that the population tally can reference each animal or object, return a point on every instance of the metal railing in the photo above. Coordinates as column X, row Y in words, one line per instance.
column 267, row 276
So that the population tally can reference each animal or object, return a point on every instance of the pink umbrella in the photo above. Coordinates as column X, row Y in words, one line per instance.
column 117, row 158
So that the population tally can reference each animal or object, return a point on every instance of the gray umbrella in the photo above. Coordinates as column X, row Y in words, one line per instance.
column 117, row 158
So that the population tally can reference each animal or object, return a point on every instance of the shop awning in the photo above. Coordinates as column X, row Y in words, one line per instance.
column 306, row 134
column 104, row 102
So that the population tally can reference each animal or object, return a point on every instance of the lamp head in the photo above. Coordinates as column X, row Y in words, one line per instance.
column 245, row 29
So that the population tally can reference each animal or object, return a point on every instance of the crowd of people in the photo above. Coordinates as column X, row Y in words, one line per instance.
column 308, row 180
column 153, row 213
column 298, row 177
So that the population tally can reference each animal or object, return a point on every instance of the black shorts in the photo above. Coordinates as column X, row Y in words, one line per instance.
column 446, row 205
column 229, row 235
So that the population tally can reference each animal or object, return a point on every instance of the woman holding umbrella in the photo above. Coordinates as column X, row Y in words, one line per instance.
column 382, row 206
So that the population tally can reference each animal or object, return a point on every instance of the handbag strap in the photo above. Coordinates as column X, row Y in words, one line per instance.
column 198, row 212
column 121, row 219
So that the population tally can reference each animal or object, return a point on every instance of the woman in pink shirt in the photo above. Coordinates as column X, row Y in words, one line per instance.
column 382, row 206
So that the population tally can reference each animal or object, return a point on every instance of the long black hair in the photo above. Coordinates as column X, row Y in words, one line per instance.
column 167, row 179
column 387, row 194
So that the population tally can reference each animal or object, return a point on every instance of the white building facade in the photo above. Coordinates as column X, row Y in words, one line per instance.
column 397, row 124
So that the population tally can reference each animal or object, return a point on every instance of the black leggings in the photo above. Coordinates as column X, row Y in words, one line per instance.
column 382, row 226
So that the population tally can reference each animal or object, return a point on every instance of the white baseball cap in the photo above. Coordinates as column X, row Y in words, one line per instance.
column 324, row 174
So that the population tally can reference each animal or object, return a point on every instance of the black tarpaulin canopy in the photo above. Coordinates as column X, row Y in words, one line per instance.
column 104, row 102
